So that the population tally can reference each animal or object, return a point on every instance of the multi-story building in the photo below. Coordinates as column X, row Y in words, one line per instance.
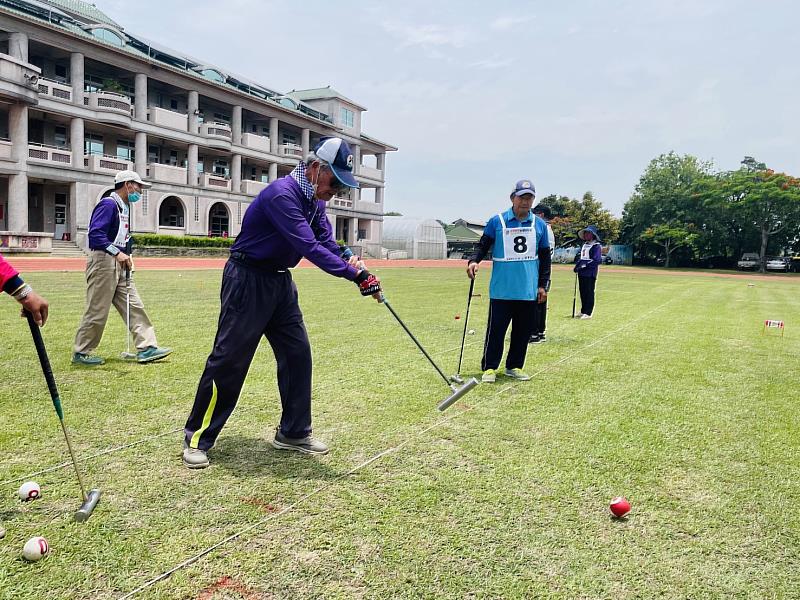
column 81, row 98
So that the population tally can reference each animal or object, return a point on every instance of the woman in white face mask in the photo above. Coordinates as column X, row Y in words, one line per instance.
column 108, row 277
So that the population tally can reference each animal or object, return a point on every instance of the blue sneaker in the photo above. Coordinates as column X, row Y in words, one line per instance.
column 152, row 353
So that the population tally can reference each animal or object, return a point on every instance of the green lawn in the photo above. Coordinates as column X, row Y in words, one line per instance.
column 670, row 396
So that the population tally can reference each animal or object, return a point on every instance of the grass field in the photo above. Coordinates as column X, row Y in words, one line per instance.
column 670, row 396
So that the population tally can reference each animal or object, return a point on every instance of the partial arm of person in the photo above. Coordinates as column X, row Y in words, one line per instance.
column 545, row 255
column 323, row 232
column 105, row 214
column 13, row 285
column 484, row 247
column 289, row 220
column 596, row 256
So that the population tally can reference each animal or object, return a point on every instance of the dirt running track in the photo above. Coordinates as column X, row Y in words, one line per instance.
column 25, row 264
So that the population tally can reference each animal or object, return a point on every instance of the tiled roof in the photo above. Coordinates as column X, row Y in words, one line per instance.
column 90, row 12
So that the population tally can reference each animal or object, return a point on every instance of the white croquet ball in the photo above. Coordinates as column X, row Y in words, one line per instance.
column 29, row 490
column 35, row 549
column 471, row 332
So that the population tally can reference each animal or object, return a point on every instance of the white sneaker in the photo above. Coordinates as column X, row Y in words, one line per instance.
column 517, row 374
column 488, row 376
column 586, row 316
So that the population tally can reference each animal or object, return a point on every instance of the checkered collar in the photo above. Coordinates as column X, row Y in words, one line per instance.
column 299, row 175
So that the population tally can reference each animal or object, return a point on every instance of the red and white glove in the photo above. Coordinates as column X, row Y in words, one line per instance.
column 367, row 283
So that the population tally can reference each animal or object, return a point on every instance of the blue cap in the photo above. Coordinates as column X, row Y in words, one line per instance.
column 524, row 186
column 591, row 229
column 337, row 154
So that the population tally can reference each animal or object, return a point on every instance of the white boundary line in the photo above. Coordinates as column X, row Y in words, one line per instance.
column 377, row 457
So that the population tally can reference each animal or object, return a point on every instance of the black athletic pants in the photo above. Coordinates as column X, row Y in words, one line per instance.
column 521, row 314
column 541, row 317
column 254, row 303
column 586, row 286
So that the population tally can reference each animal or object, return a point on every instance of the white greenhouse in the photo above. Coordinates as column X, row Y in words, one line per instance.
column 419, row 238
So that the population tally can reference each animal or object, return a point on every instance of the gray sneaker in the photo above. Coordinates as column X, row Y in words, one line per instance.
column 152, row 353
column 194, row 458
column 306, row 445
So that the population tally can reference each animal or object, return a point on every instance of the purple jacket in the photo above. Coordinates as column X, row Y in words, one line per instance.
column 282, row 226
column 103, row 225
column 588, row 268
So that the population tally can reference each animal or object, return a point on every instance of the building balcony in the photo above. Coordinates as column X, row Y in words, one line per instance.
column 54, row 155
column 168, row 118
column 215, row 182
column 101, row 163
column 370, row 172
column 18, row 80
column 110, row 106
column 55, row 89
column 166, row 173
column 256, row 142
column 218, row 135
column 339, row 202
column 5, row 149
column 252, row 188
column 292, row 150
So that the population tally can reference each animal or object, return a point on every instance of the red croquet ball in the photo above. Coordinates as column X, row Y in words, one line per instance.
column 458, row 317
column 620, row 506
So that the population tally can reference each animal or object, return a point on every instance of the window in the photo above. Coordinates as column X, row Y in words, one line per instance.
column 220, row 167
column 218, row 220
column 171, row 213
column 173, row 104
column 362, row 234
column 126, row 150
column 108, row 36
column 93, row 144
column 289, row 138
column 173, row 158
column 222, row 118
column 60, row 136
column 61, row 209
column 213, row 75
column 152, row 154
column 93, row 83
column 347, row 117
column 61, row 73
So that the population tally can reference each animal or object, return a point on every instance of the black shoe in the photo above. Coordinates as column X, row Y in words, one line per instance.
column 542, row 337
column 535, row 339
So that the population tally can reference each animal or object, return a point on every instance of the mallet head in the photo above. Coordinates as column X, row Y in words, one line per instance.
column 85, row 511
column 457, row 393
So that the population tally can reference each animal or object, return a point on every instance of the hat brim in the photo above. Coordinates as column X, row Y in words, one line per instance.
column 344, row 176
column 525, row 192
column 594, row 235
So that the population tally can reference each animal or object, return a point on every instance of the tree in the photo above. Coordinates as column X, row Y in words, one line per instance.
column 571, row 215
column 669, row 236
column 764, row 200
column 392, row 213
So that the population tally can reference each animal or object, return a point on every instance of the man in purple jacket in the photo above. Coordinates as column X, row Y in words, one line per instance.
column 587, row 266
column 285, row 223
column 108, row 277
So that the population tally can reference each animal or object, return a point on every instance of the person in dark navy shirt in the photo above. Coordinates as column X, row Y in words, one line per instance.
column 285, row 223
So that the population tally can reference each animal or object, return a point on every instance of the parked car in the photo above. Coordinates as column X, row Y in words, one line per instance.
column 779, row 263
column 795, row 264
column 749, row 261
column 607, row 260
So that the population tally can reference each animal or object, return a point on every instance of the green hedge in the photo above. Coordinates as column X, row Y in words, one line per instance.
column 149, row 240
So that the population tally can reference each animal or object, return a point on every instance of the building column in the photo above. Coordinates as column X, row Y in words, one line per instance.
column 379, row 196
column 273, row 172
column 17, row 218
column 353, row 231
column 140, row 97
column 18, row 184
column 273, row 140
column 236, row 173
column 380, row 159
column 76, row 140
column 194, row 111
column 141, row 154
column 77, row 76
column 356, row 158
column 18, row 46
column 236, row 125
column 191, row 165
column 304, row 141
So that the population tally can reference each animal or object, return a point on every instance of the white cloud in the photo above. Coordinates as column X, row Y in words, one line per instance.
column 428, row 35
column 492, row 63
column 505, row 23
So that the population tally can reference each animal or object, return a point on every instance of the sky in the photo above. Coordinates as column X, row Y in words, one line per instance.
column 577, row 96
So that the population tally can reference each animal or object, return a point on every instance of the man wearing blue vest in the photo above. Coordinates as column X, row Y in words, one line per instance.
column 520, row 276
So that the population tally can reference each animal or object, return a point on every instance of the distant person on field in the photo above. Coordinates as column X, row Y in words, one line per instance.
column 106, row 282
column 538, row 335
column 590, row 259
column 13, row 285
column 520, row 278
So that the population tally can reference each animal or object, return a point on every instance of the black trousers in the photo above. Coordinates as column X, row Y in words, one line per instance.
column 521, row 314
column 254, row 303
column 586, row 286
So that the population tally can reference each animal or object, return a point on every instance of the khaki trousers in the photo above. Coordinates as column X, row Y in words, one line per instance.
column 105, row 285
